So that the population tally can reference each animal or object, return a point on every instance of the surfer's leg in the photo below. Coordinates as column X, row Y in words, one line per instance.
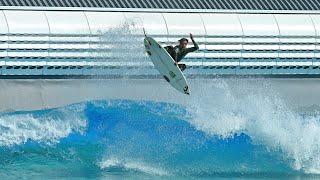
column 170, row 50
column 182, row 66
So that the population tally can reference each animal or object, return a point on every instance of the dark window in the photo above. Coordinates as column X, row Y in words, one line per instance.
column 4, row 2
column 232, row 4
column 53, row 3
column 216, row 4
column 180, row 4
column 197, row 4
column 126, row 4
column 223, row 4
column 176, row 4
column 122, row 5
column 83, row 3
column 31, row 2
column 315, row 5
column 208, row 5
column 165, row 3
column 131, row 4
column 116, row 2
column 17, row 3
column 258, row 4
column 276, row 5
column 252, row 5
column 98, row 3
column 155, row 4
column 148, row 4
column 141, row 4
column 306, row 5
column 160, row 3
column 300, row 4
column 287, row 5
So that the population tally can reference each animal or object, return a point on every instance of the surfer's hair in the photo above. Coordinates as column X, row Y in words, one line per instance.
column 183, row 39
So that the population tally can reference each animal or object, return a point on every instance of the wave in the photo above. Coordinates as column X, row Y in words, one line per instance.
column 40, row 126
column 131, row 165
column 213, row 133
column 137, row 132
column 258, row 111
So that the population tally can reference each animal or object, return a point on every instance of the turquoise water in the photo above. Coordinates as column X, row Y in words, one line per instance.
column 145, row 140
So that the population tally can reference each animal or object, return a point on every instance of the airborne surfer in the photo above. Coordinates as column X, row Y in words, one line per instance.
column 180, row 51
column 167, row 63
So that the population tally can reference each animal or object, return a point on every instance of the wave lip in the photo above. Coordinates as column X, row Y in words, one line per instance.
column 131, row 165
column 263, row 116
column 46, row 126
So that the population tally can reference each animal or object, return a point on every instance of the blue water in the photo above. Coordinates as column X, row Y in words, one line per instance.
column 133, row 139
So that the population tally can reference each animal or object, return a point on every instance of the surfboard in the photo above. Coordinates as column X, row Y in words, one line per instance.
column 166, row 66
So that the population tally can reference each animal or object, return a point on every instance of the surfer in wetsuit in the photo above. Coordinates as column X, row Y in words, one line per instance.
column 180, row 51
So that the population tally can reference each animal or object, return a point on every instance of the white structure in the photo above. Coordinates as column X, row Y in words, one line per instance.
column 66, row 41
column 48, row 42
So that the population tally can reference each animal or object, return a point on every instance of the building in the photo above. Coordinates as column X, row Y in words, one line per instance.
column 58, row 39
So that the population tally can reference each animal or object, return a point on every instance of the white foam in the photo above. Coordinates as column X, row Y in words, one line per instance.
column 131, row 165
column 19, row 128
column 124, row 44
column 256, row 110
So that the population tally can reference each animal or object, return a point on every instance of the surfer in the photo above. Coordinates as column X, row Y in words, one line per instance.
column 180, row 51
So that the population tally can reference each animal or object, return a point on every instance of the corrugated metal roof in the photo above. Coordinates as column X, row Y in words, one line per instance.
column 174, row 4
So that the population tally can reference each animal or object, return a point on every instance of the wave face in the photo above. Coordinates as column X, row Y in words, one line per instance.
column 112, row 138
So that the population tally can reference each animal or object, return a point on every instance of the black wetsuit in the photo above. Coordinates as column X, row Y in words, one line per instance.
column 178, row 53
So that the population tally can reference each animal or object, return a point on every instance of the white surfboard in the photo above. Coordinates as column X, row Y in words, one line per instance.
column 164, row 63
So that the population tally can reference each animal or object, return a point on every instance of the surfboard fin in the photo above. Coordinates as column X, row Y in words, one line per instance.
column 186, row 90
column 144, row 32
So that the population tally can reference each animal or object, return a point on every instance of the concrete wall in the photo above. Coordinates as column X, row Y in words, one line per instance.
column 33, row 94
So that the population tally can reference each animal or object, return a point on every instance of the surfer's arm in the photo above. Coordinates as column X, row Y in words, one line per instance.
column 194, row 48
column 195, row 45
